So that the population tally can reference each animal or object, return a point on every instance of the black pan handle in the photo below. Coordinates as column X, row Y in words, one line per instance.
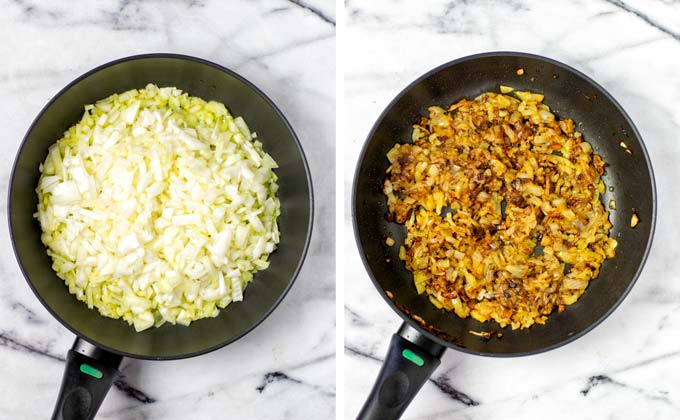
column 410, row 361
column 88, row 376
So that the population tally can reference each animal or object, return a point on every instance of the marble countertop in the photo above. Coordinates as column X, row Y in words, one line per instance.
column 627, row 367
column 285, row 368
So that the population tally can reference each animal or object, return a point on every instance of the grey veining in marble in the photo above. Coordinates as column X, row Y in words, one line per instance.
column 627, row 367
column 285, row 368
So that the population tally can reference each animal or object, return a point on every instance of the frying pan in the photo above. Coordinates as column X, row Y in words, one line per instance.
column 415, row 350
column 101, row 342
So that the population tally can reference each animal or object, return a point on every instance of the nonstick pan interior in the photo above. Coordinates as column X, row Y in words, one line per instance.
column 603, row 122
column 210, row 82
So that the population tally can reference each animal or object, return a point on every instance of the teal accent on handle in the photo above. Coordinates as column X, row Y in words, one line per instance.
column 412, row 357
column 89, row 370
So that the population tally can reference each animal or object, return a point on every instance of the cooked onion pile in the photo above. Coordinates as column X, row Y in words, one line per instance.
column 501, row 203
column 158, row 207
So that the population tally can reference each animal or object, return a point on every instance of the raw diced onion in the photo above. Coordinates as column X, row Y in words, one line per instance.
column 158, row 207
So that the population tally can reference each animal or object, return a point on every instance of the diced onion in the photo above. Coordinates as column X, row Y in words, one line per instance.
column 524, row 230
column 158, row 207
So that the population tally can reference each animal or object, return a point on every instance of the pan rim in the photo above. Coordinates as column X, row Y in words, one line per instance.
column 406, row 90
column 253, row 88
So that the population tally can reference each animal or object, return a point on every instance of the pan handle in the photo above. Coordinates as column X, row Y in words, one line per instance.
column 88, row 376
column 410, row 361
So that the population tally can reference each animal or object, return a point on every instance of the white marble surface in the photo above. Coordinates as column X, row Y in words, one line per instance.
column 627, row 368
column 284, row 369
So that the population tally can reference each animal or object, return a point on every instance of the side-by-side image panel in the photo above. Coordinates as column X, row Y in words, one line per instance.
column 171, row 209
column 505, row 168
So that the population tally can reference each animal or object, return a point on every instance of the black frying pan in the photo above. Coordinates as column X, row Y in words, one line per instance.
column 416, row 349
column 92, row 363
